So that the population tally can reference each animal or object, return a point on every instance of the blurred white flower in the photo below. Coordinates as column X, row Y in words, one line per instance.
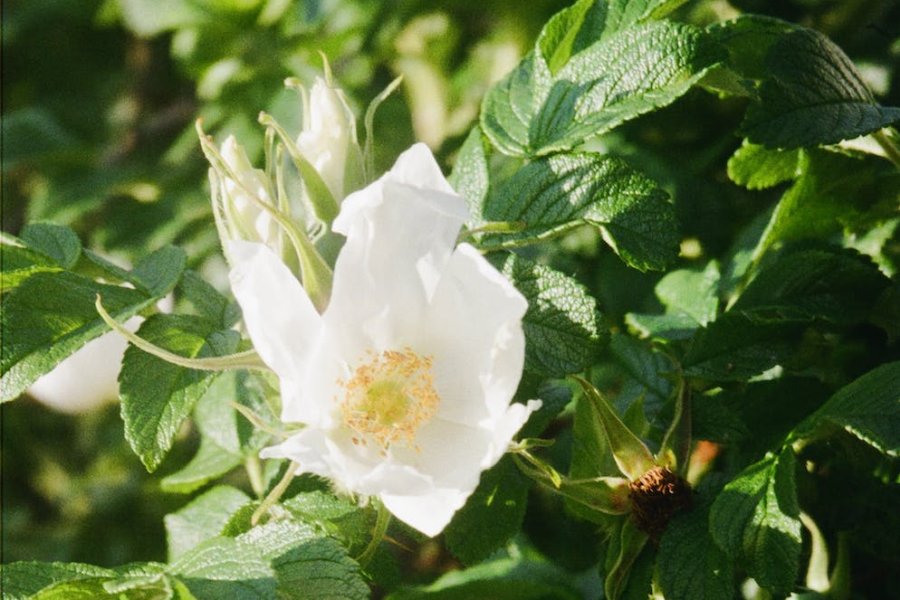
column 404, row 383
column 86, row 379
column 89, row 377
column 328, row 138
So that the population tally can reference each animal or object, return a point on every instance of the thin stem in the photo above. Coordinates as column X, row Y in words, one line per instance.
column 382, row 521
column 889, row 147
column 276, row 493
column 241, row 360
column 254, row 474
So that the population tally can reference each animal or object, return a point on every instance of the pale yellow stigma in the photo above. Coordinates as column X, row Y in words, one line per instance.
column 389, row 397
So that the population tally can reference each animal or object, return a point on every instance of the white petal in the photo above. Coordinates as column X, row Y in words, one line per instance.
column 428, row 513
column 400, row 237
column 86, row 379
column 281, row 320
column 474, row 330
column 352, row 468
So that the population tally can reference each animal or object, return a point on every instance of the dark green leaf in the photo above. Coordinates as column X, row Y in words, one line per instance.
column 226, row 568
column 736, row 346
column 491, row 515
column 643, row 373
column 757, row 167
column 836, row 285
column 563, row 329
column 156, row 395
column 868, row 408
column 755, row 519
column 691, row 566
column 202, row 519
column 554, row 194
column 23, row 579
column 748, row 40
column 54, row 241
column 812, row 95
column 833, row 192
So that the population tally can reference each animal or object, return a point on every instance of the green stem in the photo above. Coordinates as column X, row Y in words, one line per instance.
column 276, row 493
column 889, row 147
column 241, row 360
column 254, row 474
column 382, row 521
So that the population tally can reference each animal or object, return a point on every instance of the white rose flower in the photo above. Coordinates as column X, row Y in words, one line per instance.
column 328, row 138
column 88, row 378
column 404, row 383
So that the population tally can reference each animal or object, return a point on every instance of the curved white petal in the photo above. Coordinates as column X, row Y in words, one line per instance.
column 281, row 320
column 428, row 513
column 399, row 239
column 474, row 326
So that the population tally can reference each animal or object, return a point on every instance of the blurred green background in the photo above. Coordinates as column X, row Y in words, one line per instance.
column 99, row 103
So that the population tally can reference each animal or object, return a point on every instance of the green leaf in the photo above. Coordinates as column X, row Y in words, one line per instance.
column 158, row 396
column 210, row 461
column 82, row 589
column 22, row 580
column 54, row 241
column 335, row 516
column 631, row 454
column 51, row 315
column 491, row 515
column 691, row 566
column 690, row 299
column 471, row 175
column 755, row 519
column 833, row 192
column 626, row 546
column 208, row 301
column 202, row 519
column 563, row 329
column 218, row 420
column 812, row 95
column 577, row 27
column 306, row 565
column 554, row 194
column 748, row 40
column 593, row 88
column 757, row 167
column 158, row 273
column 832, row 284
column 643, row 374
column 226, row 568
column 868, row 408
column 712, row 419
column 736, row 346
column 503, row 579
column 20, row 262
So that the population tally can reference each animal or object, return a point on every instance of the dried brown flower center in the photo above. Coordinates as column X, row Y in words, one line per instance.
column 655, row 498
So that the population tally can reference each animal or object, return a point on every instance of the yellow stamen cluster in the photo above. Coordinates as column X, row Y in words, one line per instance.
column 389, row 397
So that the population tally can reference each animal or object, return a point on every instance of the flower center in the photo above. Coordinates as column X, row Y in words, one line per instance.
column 389, row 397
